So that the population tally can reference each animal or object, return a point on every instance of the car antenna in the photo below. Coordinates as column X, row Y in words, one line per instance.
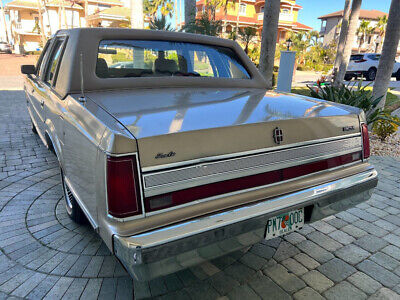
column 82, row 97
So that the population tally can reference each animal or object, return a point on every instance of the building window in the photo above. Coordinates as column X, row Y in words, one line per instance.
column 285, row 11
column 242, row 9
column 262, row 9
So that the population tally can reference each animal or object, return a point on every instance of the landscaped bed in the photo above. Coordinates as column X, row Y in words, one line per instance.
column 390, row 147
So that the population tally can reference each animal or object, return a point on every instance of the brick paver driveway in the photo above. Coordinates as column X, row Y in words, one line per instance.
column 354, row 255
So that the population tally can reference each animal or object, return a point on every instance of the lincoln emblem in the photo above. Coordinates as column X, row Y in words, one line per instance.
column 278, row 135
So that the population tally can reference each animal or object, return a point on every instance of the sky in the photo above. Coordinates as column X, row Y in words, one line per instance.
column 312, row 9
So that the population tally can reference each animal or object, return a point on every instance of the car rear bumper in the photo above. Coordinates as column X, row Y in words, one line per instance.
column 170, row 249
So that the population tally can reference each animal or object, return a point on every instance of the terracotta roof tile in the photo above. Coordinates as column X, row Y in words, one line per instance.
column 22, row 3
column 364, row 14
column 301, row 26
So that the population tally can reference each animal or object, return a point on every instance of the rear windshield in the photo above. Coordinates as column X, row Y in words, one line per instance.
column 356, row 57
column 134, row 58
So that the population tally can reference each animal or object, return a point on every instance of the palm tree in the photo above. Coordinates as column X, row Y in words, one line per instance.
column 268, row 39
column 364, row 30
column 386, row 62
column 190, row 12
column 344, row 29
column 205, row 25
column 4, row 20
column 137, row 14
column 351, row 34
column 381, row 27
column 246, row 35
column 151, row 7
column 160, row 24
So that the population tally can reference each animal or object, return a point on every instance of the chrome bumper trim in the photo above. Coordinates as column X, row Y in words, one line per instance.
column 175, row 247
column 182, row 178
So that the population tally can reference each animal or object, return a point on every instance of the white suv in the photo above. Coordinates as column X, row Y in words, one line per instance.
column 366, row 64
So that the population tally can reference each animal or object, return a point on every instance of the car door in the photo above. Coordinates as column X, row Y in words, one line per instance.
column 34, row 91
column 53, row 105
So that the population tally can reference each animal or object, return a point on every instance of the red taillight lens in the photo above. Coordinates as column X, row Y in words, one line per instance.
column 123, row 192
column 365, row 139
column 360, row 61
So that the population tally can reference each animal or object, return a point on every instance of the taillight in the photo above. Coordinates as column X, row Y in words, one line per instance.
column 360, row 61
column 365, row 139
column 123, row 189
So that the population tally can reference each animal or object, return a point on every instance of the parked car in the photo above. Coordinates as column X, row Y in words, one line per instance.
column 366, row 65
column 186, row 156
column 5, row 47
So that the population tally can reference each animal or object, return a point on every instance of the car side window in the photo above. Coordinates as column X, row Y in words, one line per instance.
column 53, row 61
column 42, row 59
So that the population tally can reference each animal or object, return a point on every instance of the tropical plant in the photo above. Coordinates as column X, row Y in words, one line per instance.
column 268, row 39
column 205, row 25
column 357, row 96
column 152, row 7
column 384, row 128
column 247, row 34
column 160, row 23
column 389, row 51
column 344, row 29
column 381, row 27
column 350, row 36
column 364, row 30
column 233, row 35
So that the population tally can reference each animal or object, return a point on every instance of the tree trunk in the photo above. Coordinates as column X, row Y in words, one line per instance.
column 41, row 23
column 268, row 39
column 176, row 14
column 237, row 17
column 4, row 20
column 386, row 62
column 190, row 11
column 86, row 12
column 351, row 35
column 343, row 35
column 137, row 17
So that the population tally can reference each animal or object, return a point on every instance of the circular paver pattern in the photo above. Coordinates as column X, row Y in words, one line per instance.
column 43, row 254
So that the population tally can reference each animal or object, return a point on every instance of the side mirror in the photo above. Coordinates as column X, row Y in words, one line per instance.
column 28, row 69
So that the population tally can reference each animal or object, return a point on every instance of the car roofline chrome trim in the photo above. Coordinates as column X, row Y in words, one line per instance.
column 244, row 153
column 197, row 226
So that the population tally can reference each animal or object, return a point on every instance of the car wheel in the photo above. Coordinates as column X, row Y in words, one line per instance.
column 398, row 75
column 371, row 74
column 348, row 77
column 72, row 207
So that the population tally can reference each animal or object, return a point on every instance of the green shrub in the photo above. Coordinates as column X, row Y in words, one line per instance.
column 354, row 96
column 385, row 127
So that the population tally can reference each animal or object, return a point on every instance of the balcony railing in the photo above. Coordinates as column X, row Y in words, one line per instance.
column 282, row 17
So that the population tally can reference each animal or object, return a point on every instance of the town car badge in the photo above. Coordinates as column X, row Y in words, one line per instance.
column 278, row 135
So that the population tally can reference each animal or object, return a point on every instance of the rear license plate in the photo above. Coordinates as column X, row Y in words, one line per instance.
column 284, row 223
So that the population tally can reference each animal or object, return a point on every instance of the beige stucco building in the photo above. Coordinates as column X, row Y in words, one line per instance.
column 25, row 24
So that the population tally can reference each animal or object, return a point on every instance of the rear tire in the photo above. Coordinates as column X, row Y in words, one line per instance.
column 348, row 77
column 73, row 209
column 371, row 74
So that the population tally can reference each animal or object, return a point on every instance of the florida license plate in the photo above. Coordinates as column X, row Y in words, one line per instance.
column 284, row 223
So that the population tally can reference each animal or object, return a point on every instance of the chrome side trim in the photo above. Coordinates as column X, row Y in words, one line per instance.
column 197, row 226
column 237, row 154
column 82, row 205
column 182, row 178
